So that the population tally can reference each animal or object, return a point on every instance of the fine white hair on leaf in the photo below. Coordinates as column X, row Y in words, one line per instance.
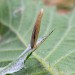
column 18, row 10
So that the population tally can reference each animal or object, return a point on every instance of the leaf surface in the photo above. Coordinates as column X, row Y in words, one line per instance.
column 55, row 56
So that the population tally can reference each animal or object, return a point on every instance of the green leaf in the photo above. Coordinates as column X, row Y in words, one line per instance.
column 56, row 54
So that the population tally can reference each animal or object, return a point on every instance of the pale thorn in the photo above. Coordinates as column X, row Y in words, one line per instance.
column 42, row 10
